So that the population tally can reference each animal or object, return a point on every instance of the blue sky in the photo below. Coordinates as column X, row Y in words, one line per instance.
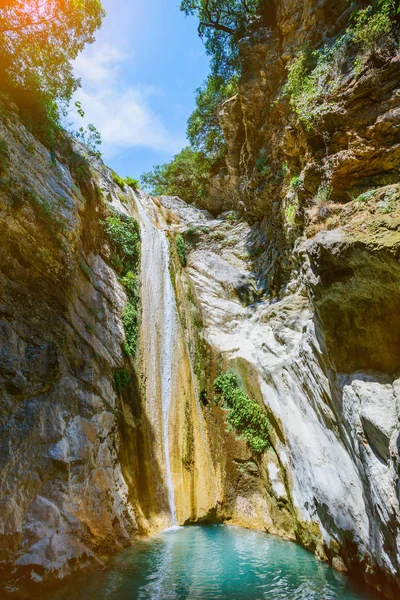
column 138, row 82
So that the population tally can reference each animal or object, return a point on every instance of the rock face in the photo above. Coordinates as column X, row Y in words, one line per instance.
column 83, row 467
column 63, row 496
column 330, row 478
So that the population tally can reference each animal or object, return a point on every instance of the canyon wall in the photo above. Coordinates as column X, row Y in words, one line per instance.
column 86, row 431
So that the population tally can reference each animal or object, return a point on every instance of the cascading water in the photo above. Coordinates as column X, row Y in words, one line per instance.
column 160, row 324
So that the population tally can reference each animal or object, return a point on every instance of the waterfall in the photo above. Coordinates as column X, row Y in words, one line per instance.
column 160, row 327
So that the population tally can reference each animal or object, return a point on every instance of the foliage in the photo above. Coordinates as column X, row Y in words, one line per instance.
column 246, row 416
column 131, row 327
column 39, row 41
column 91, row 137
column 130, row 281
column 118, row 180
column 373, row 24
column 221, row 24
column 313, row 75
column 121, row 379
column 181, row 249
column 204, row 130
column 191, row 231
column 124, row 234
column 133, row 183
column 291, row 214
column 186, row 176
column 365, row 196
column 310, row 80
column 295, row 182
column 323, row 194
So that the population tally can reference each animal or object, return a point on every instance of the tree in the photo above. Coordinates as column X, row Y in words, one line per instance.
column 40, row 38
column 186, row 176
column 221, row 24
column 204, row 131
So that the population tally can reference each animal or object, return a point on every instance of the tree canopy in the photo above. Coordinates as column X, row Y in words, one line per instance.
column 185, row 176
column 221, row 24
column 40, row 38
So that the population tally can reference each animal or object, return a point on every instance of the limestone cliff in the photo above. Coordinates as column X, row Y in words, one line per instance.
column 303, row 302
column 84, row 436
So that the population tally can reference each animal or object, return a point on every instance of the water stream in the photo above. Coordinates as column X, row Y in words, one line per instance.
column 159, row 321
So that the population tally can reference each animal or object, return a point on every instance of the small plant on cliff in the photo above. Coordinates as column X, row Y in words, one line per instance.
column 131, row 327
column 181, row 249
column 295, row 182
column 118, row 180
column 290, row 214
column 123, row 234
column 121, row 380
column 245, row 416
column 133, row 183
column 373, row 29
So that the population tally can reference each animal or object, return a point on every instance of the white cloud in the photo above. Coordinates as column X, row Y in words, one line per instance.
column 120, row 111
column 99, row 64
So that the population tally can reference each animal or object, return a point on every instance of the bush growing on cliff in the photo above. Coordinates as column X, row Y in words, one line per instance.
column 245, row 416
column 313, row 75
column 181, row 249
column 121, row 380
column 132, row 183
column 123, row 233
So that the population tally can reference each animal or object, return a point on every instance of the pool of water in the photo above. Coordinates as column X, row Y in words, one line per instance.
column 217, row 562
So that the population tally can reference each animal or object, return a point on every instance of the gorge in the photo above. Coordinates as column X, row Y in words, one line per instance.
column 230, row 358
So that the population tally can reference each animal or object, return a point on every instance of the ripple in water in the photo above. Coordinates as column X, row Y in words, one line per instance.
column 216, row 562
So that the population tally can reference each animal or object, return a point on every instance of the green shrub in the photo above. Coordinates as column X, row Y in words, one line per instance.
column 365, row 196
column 187, row 175
column 313, row 75
column 295, row 182
column 131, row 327
column 291, row 214
column 118, row 180
column 121, row 379
column 245, row 416
column 133, row 183
column 123, row 233
column 191, row 231
column 310, row 81
column 371, row 26
column 130, row 281
column 181, row 249
column 323, row 194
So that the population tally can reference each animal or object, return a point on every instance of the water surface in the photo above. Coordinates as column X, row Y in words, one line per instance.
column 216, row 562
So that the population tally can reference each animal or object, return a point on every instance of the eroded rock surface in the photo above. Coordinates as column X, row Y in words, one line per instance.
column 330, row 477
